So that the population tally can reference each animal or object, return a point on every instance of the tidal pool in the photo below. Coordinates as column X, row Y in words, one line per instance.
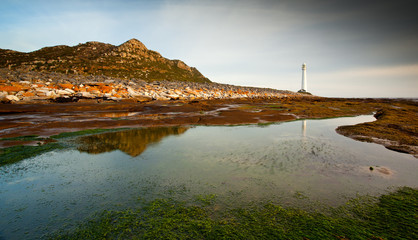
column 300, row 163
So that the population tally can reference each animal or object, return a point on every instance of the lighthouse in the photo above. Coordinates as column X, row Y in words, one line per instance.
column 304, row 80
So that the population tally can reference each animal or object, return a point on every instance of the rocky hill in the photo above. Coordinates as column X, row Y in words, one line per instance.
column 129, row 60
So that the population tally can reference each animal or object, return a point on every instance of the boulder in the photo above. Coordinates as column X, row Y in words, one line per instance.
column 85, row 94
column 51, row 94
column 12, row 98
column 63, row 92
column 45, row 93
column 69, row 90
column 132, row 92
column 162, row 98
column 173, row 96
column 143, row 98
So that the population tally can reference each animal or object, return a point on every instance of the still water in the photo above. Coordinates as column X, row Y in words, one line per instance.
column 291, row 163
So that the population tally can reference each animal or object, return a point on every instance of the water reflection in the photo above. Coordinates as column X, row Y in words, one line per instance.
column 132, row 142
column 240, row 165
column 304, row 128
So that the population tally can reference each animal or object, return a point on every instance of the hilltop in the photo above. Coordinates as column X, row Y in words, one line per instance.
column 131, row 59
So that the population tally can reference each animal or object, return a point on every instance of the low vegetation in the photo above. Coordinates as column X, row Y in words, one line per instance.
column 392, row 216
column 17, row 153
column 396, row 127
column 128, row 60
column 20, row 152
column 22, row 138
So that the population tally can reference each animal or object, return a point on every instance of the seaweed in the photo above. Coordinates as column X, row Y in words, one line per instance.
column 17, row 153
column 391, row 216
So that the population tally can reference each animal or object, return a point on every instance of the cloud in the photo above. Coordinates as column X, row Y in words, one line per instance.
column 256, row 43
column 391, row 81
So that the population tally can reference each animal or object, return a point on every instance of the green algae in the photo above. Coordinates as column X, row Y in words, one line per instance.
column 17, row 153
column 391, row 216
column 23, row 138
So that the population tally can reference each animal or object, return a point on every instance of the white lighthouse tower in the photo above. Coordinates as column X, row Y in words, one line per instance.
column 304, row 80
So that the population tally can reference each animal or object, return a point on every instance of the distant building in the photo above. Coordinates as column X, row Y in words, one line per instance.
column 304, row 88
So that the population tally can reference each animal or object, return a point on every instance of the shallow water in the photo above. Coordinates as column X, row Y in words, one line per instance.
column 291, row 163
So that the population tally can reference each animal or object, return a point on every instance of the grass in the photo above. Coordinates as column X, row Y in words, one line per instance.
column 17, row 153
column 391, row 216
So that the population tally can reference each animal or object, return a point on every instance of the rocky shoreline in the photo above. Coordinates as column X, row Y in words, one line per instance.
column 22, row 86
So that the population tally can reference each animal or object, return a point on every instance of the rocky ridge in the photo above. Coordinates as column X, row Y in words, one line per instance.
column 19, row 86
column 131, row 59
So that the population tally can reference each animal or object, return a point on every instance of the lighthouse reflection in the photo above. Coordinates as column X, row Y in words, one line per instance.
column 304, row 128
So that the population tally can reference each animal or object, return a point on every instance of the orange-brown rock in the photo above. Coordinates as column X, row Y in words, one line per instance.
column 11, row 88
column 106, row 89
column 28, row 94
column 66, row 85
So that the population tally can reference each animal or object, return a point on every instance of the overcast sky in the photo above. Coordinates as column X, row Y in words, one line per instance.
column 351, row 48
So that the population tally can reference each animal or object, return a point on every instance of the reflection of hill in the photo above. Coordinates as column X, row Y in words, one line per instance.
column 132, row 142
